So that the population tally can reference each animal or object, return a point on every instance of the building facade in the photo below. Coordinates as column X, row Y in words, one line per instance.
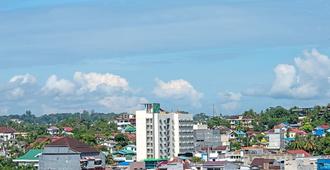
column 207, row 138
column 163, row 134
column 70, row 154
column 7, row 133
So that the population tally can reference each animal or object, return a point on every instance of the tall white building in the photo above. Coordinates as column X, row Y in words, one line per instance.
column 162, row 134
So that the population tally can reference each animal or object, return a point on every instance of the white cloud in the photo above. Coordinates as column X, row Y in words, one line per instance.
column 178, row 90
column 23, row 79
column 285, row 78
column 122, row 103
column 58, row 86
column 93, row 81
column 230, row 96
column 307, row 78
column 230, row 100
column 314, row 64
column 230, row 106
column 16, row 93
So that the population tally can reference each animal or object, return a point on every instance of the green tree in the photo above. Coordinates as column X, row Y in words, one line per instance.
column 196, row 160
column 121, row 139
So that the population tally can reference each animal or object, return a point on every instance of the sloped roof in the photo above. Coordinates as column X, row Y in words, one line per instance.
column 124, row 152
column 73, row 144
column 31, row 155
column 130, row 129
column 259, row 162
column 297, row 131
column 68, row 129
column 299, row 152
column 215, row 163
column 324, row 126
column 7, row 130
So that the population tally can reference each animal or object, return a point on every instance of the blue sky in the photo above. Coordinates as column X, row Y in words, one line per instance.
column 111, row 55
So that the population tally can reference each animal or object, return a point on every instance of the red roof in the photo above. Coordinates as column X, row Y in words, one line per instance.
column 41, row 139
column 297, row 131
column 7, row 130
column 131, row 136
column 68, row 129
column 73, row 144
column 325, row 126
column 299, row 152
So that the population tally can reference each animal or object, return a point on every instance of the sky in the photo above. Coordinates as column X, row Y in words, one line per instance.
column 114, row 55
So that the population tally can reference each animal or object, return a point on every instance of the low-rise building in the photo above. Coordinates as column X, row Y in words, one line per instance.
column 293, row 132
column 30, row 158
column 7, row 133
column 240, row 120
column 70, row 154
column 265, row 164
column 53, row 130
column 301, row 163
column 207, row 138
column 323, row 164
column 124, row 119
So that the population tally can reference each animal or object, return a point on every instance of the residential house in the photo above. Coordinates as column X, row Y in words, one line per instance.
column 294, row 132
column 136, row 166
column 67, row 131
column 123, row 120
column 276, row 137
column 175, row 164
column 225, row 134
column 265, row 164
column 220, row 165
column 53, row 130
column 319, row 132
column 299, row 163
column 240, row 120
column 235, row 135
column 323, row 164
column 70, row 154
column 275, row 141
column 299, row 153
column 30, row 158
column 130, row 129
column 124, row 155
column 7, row 133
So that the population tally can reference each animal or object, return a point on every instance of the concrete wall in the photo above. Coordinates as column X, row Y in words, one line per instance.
column 51, row 159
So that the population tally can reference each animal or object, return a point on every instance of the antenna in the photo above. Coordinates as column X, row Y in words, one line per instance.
column 213, row 110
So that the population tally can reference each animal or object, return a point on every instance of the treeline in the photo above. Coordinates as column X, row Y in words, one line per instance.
column 47, row 119
column 268, row 118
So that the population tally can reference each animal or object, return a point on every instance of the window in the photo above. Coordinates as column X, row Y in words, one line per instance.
column 98, row 162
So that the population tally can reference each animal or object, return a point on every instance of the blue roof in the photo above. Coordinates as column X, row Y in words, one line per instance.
column 240, row 132
column 289, row 139
column 319, row 128
column 123, row 163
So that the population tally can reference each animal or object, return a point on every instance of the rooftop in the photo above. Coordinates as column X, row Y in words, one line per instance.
column 259, row 162
column 299, row 152
column 7, row 130
column 73, row 144
column 31, row 155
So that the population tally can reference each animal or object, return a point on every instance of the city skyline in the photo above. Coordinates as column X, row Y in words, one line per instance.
column 111, row 56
